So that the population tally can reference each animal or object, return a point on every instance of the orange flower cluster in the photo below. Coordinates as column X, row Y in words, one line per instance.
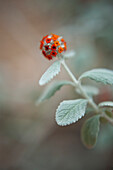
column 51, row 45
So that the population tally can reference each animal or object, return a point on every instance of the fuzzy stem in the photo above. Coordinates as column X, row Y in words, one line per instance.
column 90, row 100
column 78, row 85
column 70, row 73
column 107, row 118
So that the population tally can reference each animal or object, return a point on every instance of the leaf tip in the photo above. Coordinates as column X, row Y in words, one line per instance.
column 40, row 83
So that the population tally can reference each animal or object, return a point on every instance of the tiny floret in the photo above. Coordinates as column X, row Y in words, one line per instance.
column 52, row 45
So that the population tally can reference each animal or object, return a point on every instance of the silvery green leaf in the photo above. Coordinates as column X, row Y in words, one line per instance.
column 106, row 104
column 100, row 75
column 69, row 54
column 90, row 90
column 51, row 89
column 90, row 130
column 70, row 111
column 51, row 72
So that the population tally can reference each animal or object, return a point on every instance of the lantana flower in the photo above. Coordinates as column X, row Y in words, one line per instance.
column 52, row 45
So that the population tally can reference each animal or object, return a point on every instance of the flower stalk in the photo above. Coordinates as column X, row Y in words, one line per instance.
column 79, row 86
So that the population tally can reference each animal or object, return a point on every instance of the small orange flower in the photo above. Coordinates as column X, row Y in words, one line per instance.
column 48, row 40
column 44, row 53
column 55, row 37
column 65, row 46
column 57, row 43
column 41, row 44
column 49, row 57
column 44, row 37
column 54, row 53
column 62, row 40
column 46, row 47
column 60, row 50
column 53, row 47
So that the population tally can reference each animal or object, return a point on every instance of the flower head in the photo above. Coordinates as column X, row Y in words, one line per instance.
column 51, row 45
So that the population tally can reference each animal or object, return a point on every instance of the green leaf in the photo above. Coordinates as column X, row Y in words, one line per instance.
column 106, row 104
column 100, row 75
column 52, row 71
column 69, row 54
column 70, row 111
column 51, row 89
column 90, row 90
column 90, row 130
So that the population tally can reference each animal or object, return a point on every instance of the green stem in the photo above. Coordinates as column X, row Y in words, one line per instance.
column 78, row 85
column 107, row 118
column 70, row 73
column 90, row 100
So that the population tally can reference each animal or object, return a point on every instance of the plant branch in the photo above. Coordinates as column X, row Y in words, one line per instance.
column 70, row 73
column 107, row 118
column 90, row 100
column 78, row 85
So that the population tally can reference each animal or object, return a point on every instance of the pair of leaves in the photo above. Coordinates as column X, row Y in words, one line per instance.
column 68, row 111
column 100, row 75
column 71, row 111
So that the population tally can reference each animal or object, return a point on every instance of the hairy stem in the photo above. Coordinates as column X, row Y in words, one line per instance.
column 70, row 73
column 90, row 100
column 78, row 85
column 110, row 120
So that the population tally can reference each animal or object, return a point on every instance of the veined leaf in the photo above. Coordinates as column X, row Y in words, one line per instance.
column 100, row 75
column 51, row 90
column 90, row 131
column 106, row 104
column 52, row 71
column 70, row 111
column 69, row 54
column 90, row 90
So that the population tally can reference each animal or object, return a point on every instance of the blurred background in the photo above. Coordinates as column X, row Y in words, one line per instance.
column 29, row 136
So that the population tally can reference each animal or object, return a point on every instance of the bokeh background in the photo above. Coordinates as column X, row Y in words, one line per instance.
column 29, row 136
